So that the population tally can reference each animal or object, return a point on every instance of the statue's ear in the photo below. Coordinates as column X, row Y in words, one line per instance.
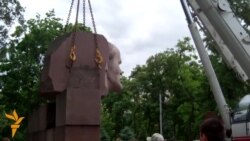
column 55, row 73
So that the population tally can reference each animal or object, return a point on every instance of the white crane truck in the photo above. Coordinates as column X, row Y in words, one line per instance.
column 233, row 44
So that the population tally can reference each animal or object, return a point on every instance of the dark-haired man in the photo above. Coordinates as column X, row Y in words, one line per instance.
column 212, row 129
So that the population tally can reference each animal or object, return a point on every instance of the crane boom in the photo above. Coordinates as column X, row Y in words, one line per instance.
column 210, row 73
column 233, row 45
column 232, row 39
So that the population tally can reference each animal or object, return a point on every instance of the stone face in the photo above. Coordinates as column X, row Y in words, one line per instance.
column 77, row 133
column 78, row 107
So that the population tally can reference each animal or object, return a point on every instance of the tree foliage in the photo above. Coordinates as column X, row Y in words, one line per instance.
column 177, row 76
column 10, row 10
column 21, row 64
column 242, row 9
column 126, row 134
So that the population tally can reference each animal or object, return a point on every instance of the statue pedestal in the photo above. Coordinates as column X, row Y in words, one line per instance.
column 78, row 115
column 77, row 133
column 78, row 106
column 76, row 87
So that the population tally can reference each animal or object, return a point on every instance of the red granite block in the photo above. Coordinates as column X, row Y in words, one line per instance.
column 50, row 135
column 57, row 65
column 77, row 133
column 78, row 106
column 37, row 136
column 38, row 120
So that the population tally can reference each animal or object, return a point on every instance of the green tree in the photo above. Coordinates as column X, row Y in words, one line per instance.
column 126, row 134
column 10, row 10
column 107, row 124
column 22, row 63
column 104, row 135
column 177, row 75
column 233, row 89
column 242, row 9
column 116, row 113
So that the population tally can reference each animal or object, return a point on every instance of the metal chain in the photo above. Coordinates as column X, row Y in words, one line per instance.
column 98, row 57
column 70, row 10
column 83, row 12
column 92, row 17
column 73, row 46
column 77, row 12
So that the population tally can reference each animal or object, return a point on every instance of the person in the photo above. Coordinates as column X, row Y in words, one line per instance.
column 5, row 139
column 157, row 137
column 212, row 129
column 113, row 71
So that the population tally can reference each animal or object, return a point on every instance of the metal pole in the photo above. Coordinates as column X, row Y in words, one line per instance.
column 214, row 84
column 160, row 105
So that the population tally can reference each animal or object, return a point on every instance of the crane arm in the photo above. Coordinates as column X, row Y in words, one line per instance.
column 232, row 39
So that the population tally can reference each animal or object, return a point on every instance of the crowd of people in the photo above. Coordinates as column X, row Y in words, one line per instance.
column 211, row 129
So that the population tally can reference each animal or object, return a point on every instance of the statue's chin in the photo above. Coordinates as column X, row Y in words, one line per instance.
column 115, row 86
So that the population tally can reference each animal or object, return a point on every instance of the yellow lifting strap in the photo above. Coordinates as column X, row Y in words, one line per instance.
column 72, row 54
column 98, row 58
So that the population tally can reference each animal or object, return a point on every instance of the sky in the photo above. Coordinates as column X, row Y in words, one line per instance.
column 139, row 28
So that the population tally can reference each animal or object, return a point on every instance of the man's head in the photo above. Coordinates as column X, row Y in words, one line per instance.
column 113, row 69
column 157, row 137
column 5, row 139
column 212, row 129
